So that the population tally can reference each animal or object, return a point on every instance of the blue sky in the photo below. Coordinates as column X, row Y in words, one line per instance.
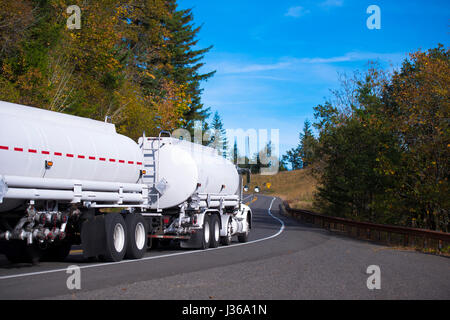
column 276, row 60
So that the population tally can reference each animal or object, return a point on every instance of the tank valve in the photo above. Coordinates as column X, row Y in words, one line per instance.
column 5, row 235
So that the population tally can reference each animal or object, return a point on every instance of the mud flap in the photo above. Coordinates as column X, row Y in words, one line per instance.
column 93, row 236
column 195, row 242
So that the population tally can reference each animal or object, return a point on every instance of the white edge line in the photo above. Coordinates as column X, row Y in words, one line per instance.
column 157, row 257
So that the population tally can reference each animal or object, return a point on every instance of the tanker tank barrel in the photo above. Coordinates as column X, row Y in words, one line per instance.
column 63, row 179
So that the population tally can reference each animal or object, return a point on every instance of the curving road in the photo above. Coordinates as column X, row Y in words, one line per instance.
column 283, row 260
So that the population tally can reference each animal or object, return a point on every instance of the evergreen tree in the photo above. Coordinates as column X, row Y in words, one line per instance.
column 282, row 166
column 235, row 154
column 302, row 155
column 293, row 158
column 219, row 135
column 307, row 142
column 183, row 63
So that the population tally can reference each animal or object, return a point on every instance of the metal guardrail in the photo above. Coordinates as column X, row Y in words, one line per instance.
column 387, row 234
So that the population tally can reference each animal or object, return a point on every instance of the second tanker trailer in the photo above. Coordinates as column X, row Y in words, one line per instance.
column 67, row 180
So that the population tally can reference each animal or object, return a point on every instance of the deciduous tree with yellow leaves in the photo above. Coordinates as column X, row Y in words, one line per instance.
column 384, row 155
column 121, row 63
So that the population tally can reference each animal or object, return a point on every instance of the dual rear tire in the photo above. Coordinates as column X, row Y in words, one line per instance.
column 243, row 237
column 227, row 239
column 125, row 238
column 137, row 236
column 215, row 231
column 210, row 234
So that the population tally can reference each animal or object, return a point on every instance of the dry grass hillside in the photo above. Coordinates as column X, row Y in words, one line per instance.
column 297, row 187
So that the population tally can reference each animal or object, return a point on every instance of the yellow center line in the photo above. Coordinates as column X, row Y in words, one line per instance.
column 253, row 200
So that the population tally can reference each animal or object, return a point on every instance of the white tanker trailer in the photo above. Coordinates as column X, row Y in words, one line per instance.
column 67, row 180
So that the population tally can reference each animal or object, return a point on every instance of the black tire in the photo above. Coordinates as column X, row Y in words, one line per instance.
column 137, row 232
column 114, row 222
column 226, row 241
column 243, row 237
column 205, row 233
column 214, row 232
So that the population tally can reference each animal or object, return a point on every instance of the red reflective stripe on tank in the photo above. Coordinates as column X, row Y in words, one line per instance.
column 69, row 155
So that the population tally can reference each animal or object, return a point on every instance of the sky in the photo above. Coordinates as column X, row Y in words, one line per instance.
column 276, row 60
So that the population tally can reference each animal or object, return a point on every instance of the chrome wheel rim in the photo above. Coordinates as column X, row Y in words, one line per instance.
column 119, row 237
column 229, row 230
column 206, row 232
column 216, row 231
column 139, row 235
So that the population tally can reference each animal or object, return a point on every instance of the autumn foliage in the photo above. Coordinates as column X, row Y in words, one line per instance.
column 132, row 60
column 384, row 145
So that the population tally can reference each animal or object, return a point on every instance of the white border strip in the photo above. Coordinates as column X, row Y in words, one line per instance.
column 156, row 257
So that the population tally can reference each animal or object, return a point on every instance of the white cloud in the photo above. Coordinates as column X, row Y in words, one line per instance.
column 332, row 3
column 287, row 63
column 354, row 56
column 278, row 93
column 296, row 12
column 228, row 68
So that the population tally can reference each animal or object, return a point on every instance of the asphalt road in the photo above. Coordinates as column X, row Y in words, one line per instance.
column 283, row 260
